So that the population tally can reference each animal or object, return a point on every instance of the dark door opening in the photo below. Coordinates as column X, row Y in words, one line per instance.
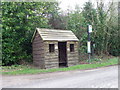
column 62, row 54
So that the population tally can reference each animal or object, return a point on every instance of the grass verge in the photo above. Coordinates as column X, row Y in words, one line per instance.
column 27, row 70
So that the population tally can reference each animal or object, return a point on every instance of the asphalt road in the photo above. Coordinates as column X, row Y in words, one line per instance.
column 105, row 77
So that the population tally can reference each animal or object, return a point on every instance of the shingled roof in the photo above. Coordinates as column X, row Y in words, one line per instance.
column 56, row 35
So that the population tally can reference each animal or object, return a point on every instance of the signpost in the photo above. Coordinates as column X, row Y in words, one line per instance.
column 89, row 46
column 89, row 30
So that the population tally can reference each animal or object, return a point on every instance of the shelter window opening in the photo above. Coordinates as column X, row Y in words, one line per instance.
column 71, row 47
column 51, row 48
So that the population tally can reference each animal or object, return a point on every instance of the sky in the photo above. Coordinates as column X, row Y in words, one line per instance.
column 65, row 4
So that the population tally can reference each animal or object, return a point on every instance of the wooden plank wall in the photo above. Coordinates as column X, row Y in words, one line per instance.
column 72, row 56
column 51, row 59
column 42, row 58
column 38, row 51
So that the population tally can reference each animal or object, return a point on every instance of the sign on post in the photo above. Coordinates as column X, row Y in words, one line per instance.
column 89, row 47
column 89, row 28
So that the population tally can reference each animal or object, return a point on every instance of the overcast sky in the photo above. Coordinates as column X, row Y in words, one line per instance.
column 65, row 4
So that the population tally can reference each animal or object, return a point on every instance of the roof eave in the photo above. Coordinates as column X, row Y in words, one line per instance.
column 62, row 40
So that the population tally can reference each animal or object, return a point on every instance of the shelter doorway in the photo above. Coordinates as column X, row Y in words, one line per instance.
column 62, row 49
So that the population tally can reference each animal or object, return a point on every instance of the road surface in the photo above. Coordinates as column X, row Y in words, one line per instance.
column 105, row 77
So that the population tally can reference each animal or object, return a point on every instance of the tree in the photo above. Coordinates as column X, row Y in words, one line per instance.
column 105, row 28
column 19, row 20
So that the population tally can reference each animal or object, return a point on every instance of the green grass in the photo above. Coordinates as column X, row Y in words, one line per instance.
column 16, row 70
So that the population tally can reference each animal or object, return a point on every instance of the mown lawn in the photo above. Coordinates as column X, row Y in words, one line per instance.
column 16, row 70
